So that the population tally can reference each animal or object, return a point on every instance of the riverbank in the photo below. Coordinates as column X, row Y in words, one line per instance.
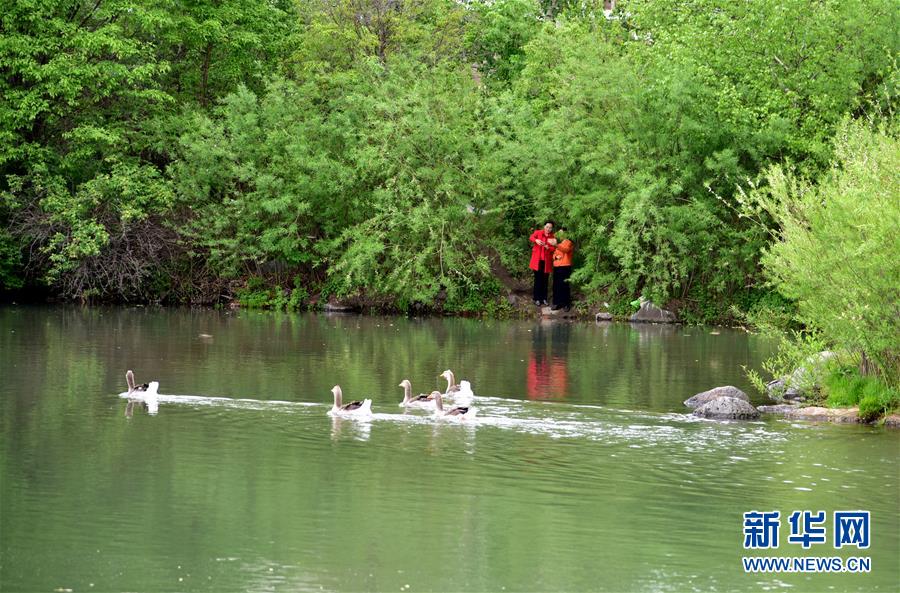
column 849, row 415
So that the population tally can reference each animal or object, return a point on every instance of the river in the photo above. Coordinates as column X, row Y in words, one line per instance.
column 582, row 470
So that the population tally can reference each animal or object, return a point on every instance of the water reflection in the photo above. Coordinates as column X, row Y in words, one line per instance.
column 356, row 429
column 149, row 406
column 547, row 375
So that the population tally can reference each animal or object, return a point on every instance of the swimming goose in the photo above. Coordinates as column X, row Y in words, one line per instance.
column 129, row 379
column 363, row 407
column 452, row 387
column 461, row 412
column 423, row 400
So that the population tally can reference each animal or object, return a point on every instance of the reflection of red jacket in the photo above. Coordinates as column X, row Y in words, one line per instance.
column 539, row 253
column 547, row 379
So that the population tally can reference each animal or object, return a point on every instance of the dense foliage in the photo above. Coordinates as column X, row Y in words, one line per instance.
column 835, row 255
column 402, row 150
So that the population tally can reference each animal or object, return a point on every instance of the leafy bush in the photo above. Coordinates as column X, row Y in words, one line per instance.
column 836, row 250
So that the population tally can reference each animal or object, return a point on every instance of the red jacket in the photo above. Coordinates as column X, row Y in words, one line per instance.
column 539, row 252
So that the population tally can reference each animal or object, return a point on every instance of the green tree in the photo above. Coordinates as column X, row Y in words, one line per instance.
column 836, row 247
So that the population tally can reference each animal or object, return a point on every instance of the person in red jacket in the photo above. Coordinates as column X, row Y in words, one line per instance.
column 542, row 246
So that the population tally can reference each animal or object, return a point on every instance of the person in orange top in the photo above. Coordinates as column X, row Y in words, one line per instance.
column 542, row 242
column 562, row 269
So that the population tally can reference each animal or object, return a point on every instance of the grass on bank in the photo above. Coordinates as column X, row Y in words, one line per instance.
column 844, row 386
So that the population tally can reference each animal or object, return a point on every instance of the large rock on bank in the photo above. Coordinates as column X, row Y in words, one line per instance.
column 804, row 380
column 650, row 313
column 707, row 396
column 727, row 408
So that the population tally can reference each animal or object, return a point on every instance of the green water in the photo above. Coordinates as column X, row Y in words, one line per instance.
column 580, row 473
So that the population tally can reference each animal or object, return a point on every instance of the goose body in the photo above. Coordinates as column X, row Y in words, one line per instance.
column 145, row 394
column 456, row 412
column 423, row 400
column 150, row 398
column 354, row 408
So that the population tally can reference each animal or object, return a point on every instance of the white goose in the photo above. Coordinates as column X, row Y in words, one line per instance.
column 452, row 387
column 462, row 392
column 132, row 388
column 354, row 408
column 145, row 393
column 423, row 400
column 457, row 412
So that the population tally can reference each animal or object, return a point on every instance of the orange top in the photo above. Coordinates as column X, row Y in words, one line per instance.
column 563, row 254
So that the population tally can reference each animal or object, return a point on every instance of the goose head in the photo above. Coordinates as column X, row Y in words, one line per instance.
column 338, row 395
column 129, row 379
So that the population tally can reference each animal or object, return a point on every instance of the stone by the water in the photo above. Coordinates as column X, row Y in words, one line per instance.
column 338, row 308
column 777, row 409
column 727, row 408
column 704, row 397
column 603, row 316
column 650, row 313
column 825, row 414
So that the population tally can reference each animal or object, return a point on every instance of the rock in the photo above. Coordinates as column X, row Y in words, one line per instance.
column 337, row 307
column 551, row 313
column 775, row 389
column 825, row 414
column 803, row 380
column 707, row 396
column 603, row 316
column 893, row 420
column 512, row 299
column 808, row 374
column 650, row 313
column 777, row 409
column 793, row 394
column 727, row 408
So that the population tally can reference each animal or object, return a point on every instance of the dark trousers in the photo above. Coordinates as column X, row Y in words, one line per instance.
column 562, row 293
column 540, row 283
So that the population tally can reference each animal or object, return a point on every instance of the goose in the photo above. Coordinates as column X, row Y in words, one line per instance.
column 460, row 412
column 357, row 408
column 462, row 392
column 129, row 379
column 423, row 400
column 146, row 395
column 452, row 387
